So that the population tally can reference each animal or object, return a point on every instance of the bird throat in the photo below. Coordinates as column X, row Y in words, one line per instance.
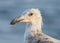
column 33, row 29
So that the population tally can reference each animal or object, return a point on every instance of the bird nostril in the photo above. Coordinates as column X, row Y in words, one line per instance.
column 20, row 20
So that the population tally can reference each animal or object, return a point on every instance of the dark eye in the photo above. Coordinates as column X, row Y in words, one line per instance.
column 30, row 14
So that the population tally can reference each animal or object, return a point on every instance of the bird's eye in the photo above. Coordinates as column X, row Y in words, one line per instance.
column 30, row 14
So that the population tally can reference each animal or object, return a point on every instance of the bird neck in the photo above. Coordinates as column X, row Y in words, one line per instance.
column 33, row 29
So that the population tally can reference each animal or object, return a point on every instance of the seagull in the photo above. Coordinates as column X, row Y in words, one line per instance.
column 33, row 33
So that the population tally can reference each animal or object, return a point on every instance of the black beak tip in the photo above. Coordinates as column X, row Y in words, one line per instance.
column 12, row 22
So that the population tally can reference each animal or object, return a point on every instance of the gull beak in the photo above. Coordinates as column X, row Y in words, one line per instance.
column 14, row 21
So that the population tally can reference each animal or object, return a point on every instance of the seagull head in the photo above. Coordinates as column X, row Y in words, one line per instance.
column 30, row 16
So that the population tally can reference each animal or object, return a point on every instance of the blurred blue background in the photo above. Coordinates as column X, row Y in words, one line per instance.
column 9, row 9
